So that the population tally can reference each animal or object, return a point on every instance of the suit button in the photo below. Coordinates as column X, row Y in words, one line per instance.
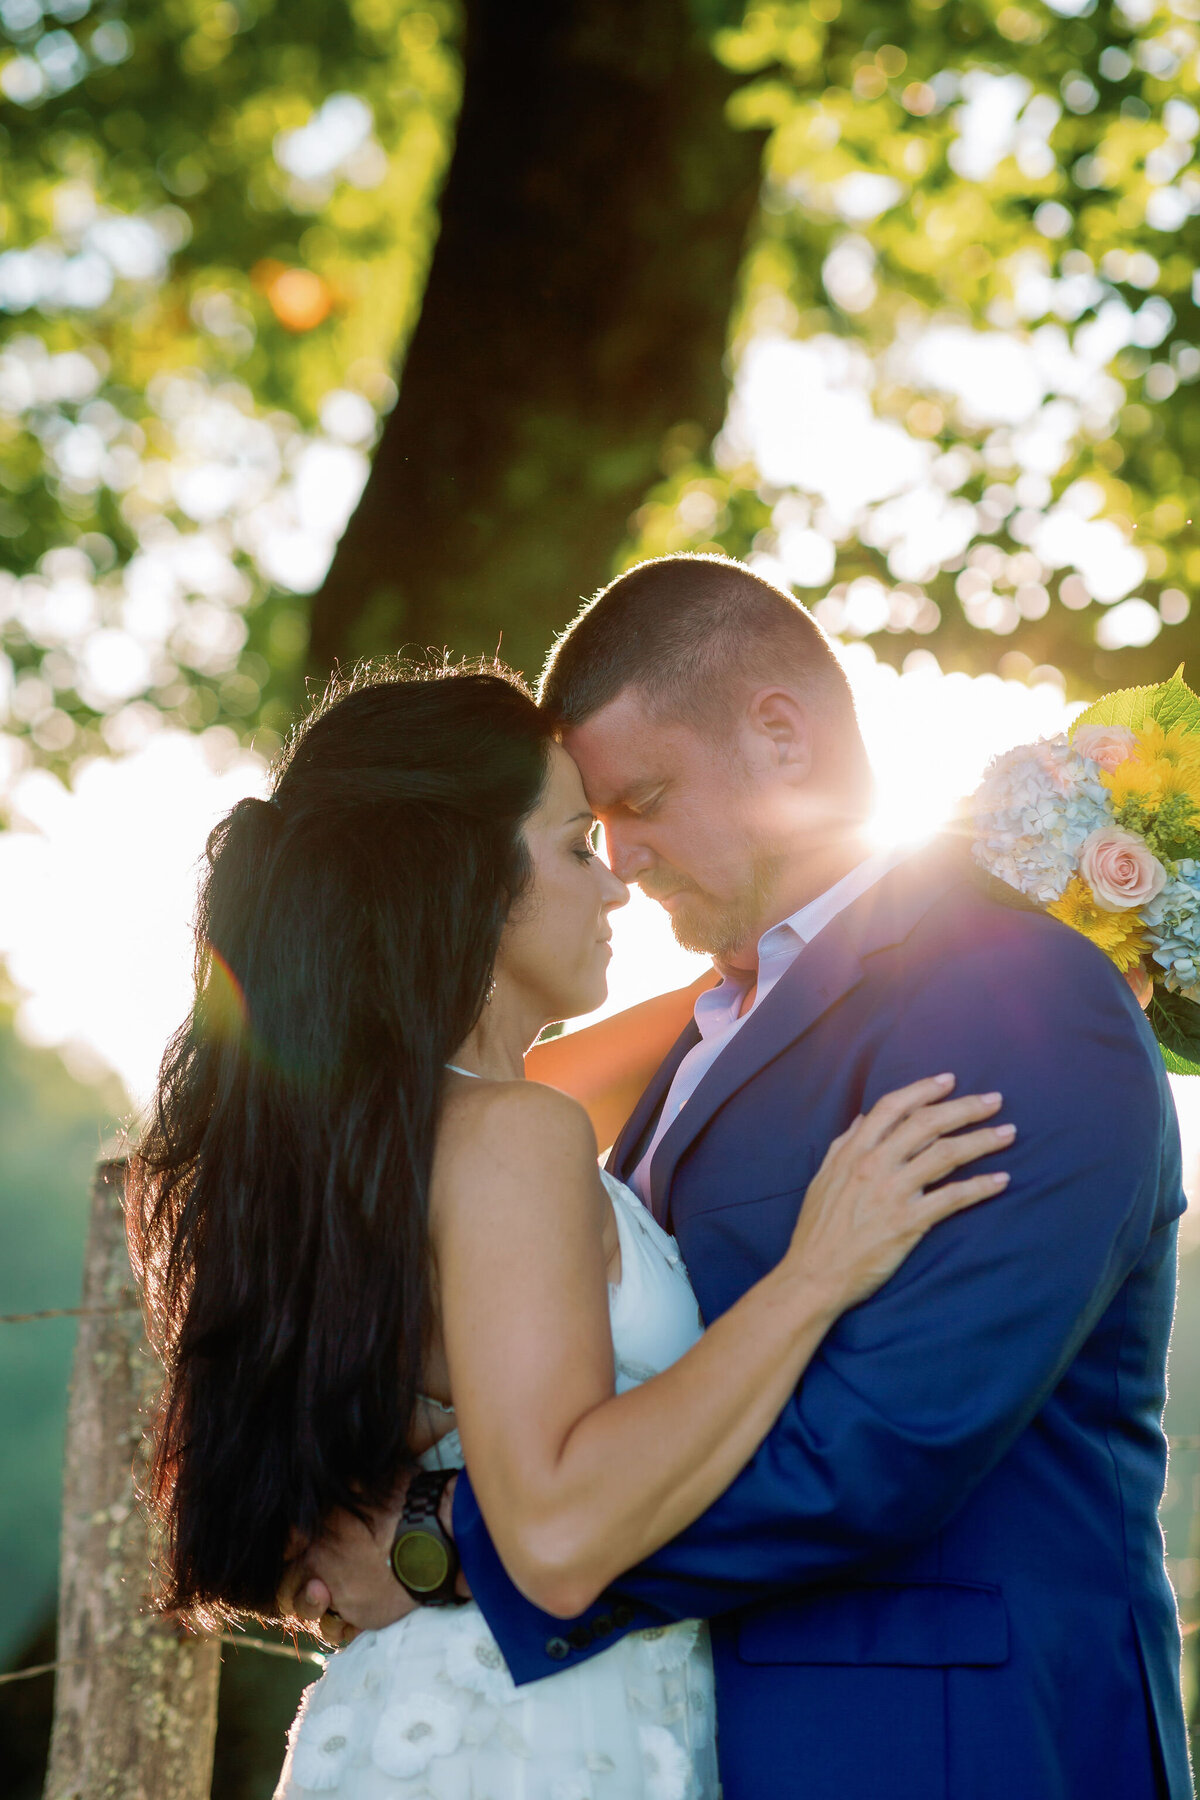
column 580, row 1638
column 557, row 1649
column 622, row 1614
column 601, row 1625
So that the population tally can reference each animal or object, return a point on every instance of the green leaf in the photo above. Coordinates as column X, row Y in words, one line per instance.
column 1177, row 705
column 1175, row 1022
column 1169, row 703
column 1130, row 707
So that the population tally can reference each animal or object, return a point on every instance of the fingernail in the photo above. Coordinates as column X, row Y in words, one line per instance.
column 991, row 1099
column 1001, row 1180
column 1006, row 1131
column 944, row 1080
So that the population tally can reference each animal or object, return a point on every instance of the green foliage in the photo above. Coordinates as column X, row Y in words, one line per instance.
column 215, row 216
column 1167, row 703
column 51, row 1129
column 1176, row 831
column 1176, row 1024
column 199, row 292
column 258, row 1700
column 1070, row 228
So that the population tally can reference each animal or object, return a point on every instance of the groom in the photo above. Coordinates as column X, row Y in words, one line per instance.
column 941, row 1577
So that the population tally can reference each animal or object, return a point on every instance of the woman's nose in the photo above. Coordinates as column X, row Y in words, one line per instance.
column 616, row 892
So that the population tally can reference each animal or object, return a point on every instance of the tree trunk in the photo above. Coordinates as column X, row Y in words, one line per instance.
column 592, row 225
column 135, row 1702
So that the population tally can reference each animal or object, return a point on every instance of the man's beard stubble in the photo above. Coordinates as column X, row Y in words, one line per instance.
column 711, row 927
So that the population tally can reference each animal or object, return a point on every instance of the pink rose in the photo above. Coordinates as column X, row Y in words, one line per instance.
column 1119, row 869
column 1108, row 745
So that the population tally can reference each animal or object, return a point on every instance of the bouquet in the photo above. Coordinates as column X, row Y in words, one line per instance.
column 1101, row 828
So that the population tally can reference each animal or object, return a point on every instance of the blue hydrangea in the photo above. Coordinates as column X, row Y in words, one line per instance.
column 1034, row 809
column 1173, row 922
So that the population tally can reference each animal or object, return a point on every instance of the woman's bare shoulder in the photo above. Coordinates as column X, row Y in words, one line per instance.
column 518, row 1135
column 491, row 1107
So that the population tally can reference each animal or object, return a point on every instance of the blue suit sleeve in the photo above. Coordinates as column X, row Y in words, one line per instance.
column 917, row 1393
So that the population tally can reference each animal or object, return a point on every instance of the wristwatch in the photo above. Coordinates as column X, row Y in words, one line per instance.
column 423, row 1557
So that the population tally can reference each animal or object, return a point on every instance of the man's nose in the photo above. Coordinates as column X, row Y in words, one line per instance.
column 626, row 857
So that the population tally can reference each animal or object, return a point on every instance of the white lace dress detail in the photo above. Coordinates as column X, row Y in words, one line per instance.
column 427, row 1709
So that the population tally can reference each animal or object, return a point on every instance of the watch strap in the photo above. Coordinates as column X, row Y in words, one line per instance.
column 424, row 1496
column 422, row 1545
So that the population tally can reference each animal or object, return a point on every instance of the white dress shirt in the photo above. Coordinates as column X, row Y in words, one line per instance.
column 718, row 1014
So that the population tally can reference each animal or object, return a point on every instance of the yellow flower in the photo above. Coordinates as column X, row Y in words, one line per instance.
column 1178, row 778
column 1177, row 747
column 1119, row 935
column 1165, row 765
column 1136, row 781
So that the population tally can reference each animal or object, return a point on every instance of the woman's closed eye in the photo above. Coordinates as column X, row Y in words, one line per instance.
column 588, row 847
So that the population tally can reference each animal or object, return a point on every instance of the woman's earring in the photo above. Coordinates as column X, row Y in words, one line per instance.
column 487, row 998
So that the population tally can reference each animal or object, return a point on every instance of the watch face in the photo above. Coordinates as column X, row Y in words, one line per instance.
column 421, row 1561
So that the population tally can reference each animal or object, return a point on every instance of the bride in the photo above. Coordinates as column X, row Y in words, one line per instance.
column 367, row 1244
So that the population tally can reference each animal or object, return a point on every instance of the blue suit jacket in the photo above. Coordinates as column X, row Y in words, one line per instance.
column 941, row 1577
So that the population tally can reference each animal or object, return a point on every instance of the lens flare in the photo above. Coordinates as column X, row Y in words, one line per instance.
column 221, row 1008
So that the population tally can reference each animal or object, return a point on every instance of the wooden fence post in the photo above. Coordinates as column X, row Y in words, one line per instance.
column 135, row 1703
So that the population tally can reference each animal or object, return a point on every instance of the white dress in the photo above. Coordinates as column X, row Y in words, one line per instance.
column 426, row 1708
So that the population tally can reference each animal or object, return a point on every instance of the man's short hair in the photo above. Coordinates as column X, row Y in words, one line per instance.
column 694, row 635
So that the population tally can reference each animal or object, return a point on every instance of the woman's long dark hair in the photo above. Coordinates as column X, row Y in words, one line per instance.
column 346, row 934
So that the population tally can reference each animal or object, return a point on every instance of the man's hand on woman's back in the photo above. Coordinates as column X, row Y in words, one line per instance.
column 343, row 1583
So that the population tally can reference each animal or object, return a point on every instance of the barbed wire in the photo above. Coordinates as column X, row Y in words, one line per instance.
column 28, row 1674
column 66, row 1312
column 233, row 1639
column 238, row 1642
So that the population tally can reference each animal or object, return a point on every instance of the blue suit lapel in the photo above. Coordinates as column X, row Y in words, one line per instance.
column 630, row 1145
column 824, row 972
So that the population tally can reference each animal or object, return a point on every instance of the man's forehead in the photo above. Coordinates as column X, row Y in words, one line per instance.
column 611, row 773
column 621, row 749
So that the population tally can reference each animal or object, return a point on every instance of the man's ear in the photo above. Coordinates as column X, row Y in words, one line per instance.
column 781, row 723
